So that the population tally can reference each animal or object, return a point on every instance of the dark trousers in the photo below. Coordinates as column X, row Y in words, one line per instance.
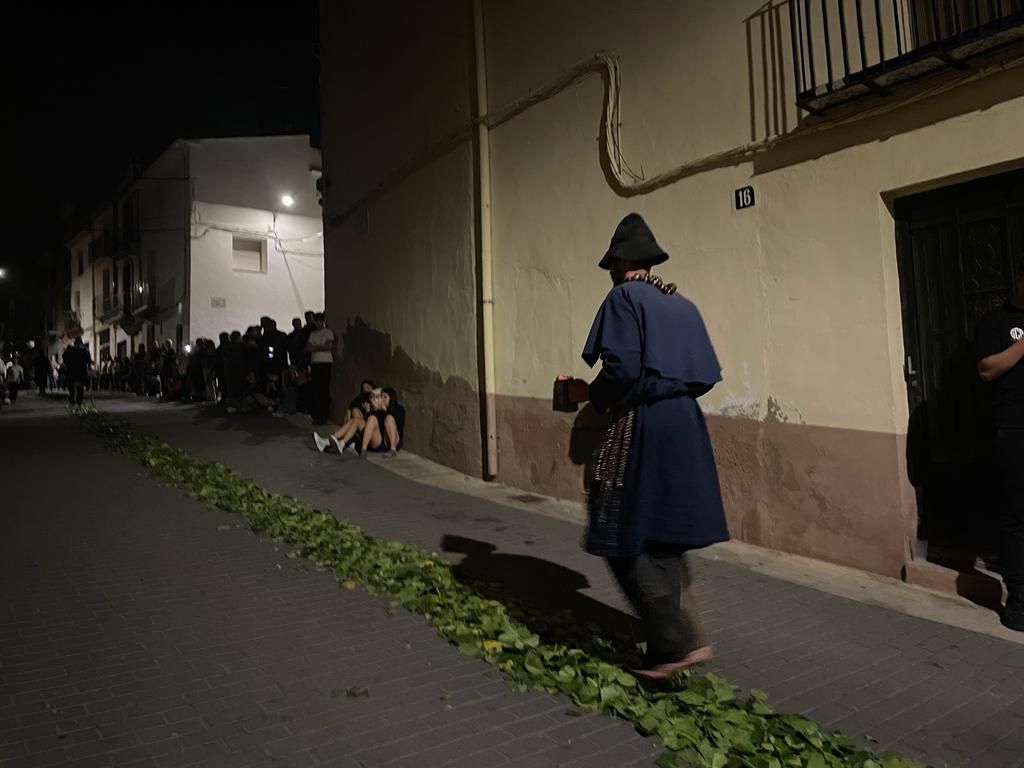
column 1010, row 460
column 41, row 383
column 12, row 391
column 659, row 586
column 76, row 389
column 320, row 391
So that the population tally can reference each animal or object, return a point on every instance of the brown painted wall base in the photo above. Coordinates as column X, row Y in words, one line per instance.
column 832, row 494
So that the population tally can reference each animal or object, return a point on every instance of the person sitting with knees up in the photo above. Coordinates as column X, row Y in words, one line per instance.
column 385, row 425
column 350, row 432
column 360, row 405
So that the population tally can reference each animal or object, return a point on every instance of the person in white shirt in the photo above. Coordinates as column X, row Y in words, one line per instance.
column 15, row 378
column 321, row 357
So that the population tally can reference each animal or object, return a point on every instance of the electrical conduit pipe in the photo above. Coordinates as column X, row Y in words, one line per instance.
column 485, row 246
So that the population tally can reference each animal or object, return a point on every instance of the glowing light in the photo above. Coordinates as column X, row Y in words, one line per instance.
column 288, row 201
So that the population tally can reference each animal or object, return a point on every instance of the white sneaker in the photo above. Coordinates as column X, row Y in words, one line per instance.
column 321, row 443
column 337, row 446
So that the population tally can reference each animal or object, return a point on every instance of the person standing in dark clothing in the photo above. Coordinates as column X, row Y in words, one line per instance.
column 297, row 355
column 77, row 362
column 999, row 345
column 234, row 367
column 220, row 364
column 274, row 348
column 655, row 493
column 41, row 369
column 321, row 354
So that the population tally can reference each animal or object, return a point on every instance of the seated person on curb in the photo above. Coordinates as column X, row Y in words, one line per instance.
column 385, row 425
column 355, row 421
column 359, row 405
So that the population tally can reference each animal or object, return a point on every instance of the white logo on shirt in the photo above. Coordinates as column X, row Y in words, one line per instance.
column 1017, row 334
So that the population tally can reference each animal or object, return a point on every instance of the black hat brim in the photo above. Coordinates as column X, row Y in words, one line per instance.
column 629, row 252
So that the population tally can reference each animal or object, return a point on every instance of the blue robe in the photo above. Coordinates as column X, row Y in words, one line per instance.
column 657, row 359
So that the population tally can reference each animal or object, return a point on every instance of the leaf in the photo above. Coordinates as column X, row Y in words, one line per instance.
column 470, row 648
column 610, row 693
column 626, row 680
column 667, row 760
column 223, row 527
column 348, row 584
column 492, row 645
column 533, row 664
column 356, row 692
column 720, row 760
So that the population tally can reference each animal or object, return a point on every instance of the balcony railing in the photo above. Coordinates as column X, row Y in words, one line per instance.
column 108, row 308
column 845, row 49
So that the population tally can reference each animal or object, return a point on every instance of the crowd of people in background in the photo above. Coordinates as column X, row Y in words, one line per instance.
column 262, row 369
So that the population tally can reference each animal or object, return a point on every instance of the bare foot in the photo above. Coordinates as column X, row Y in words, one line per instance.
column 664, row 672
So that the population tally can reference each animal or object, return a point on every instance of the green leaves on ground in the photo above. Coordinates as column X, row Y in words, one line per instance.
column 707, row 722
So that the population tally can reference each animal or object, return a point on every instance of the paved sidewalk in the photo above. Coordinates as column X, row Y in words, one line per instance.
column 927, row 690
column 140, row 628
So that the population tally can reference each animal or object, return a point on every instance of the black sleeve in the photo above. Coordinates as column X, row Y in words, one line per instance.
column 988, row 338
column 399, row 413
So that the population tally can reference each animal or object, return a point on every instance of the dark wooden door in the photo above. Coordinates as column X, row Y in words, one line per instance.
column 956, row 248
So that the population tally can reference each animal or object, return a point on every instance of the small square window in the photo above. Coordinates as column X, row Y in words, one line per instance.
column 248, row 255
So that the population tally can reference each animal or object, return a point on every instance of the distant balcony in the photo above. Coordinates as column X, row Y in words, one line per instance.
column 102, row 246
column 108, row 309
column 846, row 49
column 143, row 298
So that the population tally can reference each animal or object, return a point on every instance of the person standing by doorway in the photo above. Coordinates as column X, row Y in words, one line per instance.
column 999, row 345
column 655, row 493
column 321, row 358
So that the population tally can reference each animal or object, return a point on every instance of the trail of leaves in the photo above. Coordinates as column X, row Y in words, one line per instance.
column 706, row 722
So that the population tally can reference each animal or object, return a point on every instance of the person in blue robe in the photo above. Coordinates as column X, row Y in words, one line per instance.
column 655, row 493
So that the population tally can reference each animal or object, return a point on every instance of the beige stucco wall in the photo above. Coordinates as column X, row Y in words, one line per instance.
column 401, row 277
column 800, row 293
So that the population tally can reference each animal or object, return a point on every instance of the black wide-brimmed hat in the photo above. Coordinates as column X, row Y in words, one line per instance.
column 634, row 242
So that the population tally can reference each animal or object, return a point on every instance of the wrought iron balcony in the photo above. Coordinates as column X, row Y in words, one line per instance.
column 846, row 49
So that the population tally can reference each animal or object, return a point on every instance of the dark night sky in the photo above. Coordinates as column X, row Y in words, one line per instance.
column 92, row 86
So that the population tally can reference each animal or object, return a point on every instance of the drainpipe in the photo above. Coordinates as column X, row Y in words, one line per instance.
column 486, row 252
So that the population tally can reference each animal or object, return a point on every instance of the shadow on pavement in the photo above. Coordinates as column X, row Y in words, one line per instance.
column 261, row 427
column 546, row 597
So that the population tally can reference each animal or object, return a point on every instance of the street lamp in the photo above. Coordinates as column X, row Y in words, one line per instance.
column 288, row 201
column 3, row 273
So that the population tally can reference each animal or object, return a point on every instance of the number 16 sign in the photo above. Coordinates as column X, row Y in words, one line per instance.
column 744, row 198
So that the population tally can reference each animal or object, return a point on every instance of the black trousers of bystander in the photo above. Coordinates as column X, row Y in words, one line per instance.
column 320, row 392
column 1010, row 459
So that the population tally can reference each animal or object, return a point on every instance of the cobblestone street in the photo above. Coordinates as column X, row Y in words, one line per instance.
column 139, row 628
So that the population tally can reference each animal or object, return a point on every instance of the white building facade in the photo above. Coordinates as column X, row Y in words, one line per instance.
column 213, row 235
